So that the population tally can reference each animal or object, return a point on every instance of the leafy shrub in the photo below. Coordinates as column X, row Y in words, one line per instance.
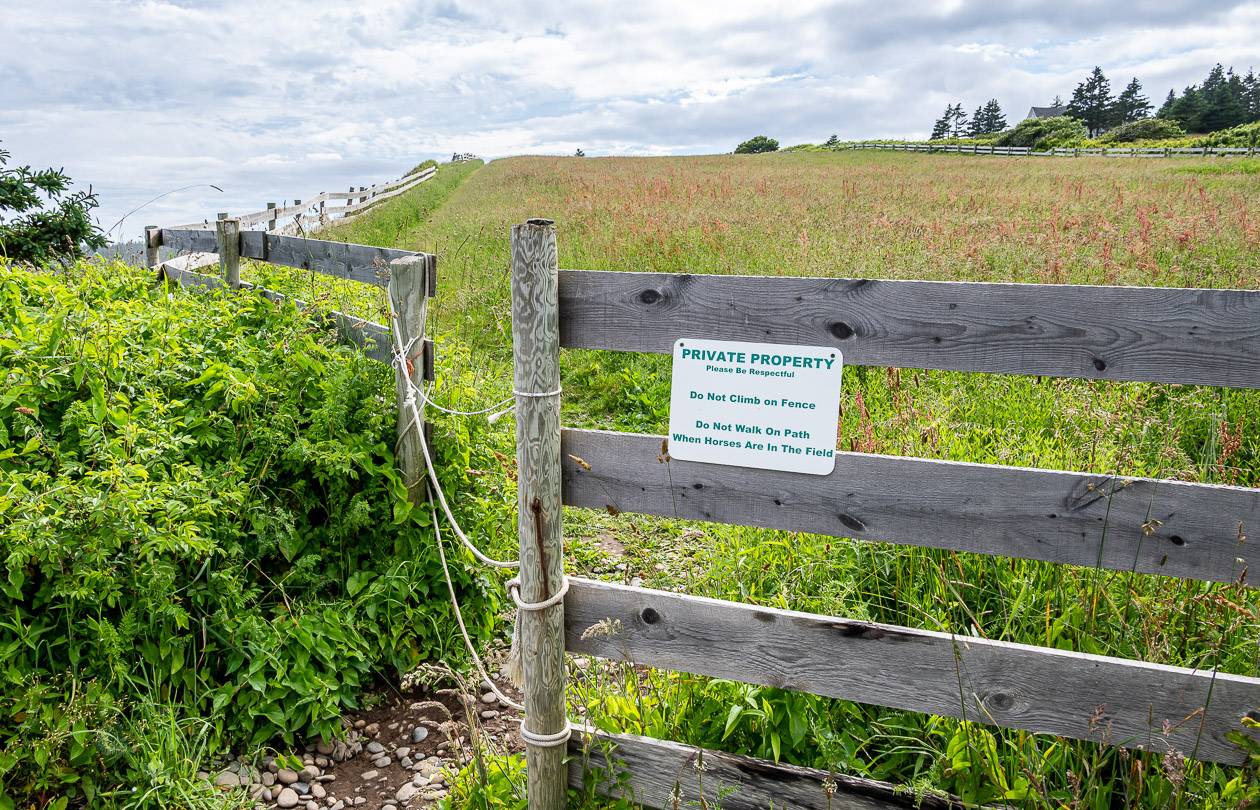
column 1239, row 136
column 1145, row 129
column 196, row 513
column 757, row 145
column 1044, row 133
column 37, row 234
column 419, row 167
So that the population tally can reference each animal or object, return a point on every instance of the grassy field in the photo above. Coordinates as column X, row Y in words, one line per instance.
column 1081, row 221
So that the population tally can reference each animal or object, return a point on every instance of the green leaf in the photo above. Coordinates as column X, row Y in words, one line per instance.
column 731, row 718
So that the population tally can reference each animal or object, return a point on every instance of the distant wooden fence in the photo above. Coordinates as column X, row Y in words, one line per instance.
column 304, row 216
column 1121, row 523
column 1022, row 151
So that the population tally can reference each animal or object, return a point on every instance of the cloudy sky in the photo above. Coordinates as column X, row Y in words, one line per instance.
column 285, row 98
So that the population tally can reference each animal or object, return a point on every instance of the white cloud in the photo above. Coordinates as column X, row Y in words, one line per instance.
column 282, row 99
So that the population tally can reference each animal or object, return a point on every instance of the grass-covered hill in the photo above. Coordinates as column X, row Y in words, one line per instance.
column 271, row 433
column 1096, row 221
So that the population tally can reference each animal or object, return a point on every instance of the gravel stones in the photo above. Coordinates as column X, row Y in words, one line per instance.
column 375, row 748
column 226, row 780
column 405, row 792
column 287, row 798
column 286, row 776
column 419, row 734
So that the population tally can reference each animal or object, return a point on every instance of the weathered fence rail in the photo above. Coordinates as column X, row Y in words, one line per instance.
column 1140, row 525
column 409, row 277
column 303, row 216
column 1027, row 151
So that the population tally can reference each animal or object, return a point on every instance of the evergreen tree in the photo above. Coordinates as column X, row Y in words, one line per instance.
column 833, row 141
column 941, row 128
column 1222, row 100
column 1131, row 105
column 1251, row 95
column 977, row 123
column 958, row 118
column 1165, row 109
column 1058, row 101
column 1091, row 102
column 1188, row 109
column 994, row 118
column 41, row 221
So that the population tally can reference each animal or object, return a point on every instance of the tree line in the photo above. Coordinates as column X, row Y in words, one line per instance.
column 988, row 119
column 1224, row 99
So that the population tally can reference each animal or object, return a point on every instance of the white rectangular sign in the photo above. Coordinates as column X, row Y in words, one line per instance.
column 763, row 405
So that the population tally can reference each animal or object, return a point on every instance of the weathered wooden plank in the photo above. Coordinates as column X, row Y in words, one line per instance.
column 1193, row 336
column 1133, row 704
column 338, row 259
column 189, row 240
column 182, row 270
column 1146, row 525
column 373, row 339
column 666, row 775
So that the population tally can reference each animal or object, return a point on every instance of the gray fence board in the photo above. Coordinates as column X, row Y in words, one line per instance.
column 1126, row 524
column 1115, row 701
column 657, row 770
column 1192, row 336
column 338, row 259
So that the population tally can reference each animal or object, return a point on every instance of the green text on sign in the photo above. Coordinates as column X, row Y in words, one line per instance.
column 763, row 405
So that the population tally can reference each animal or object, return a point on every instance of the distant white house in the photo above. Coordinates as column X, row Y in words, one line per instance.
column 1045, row 112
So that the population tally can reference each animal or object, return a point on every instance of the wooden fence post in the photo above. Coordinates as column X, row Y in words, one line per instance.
column 152, row 237
column 227, row 233
column 536, row 358
column 271, row 223
column 408, row 283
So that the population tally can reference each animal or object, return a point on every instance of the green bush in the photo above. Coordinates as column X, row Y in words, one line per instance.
column 1239, row 136
column 419, row 167
column 1044, row 133
column 1147, row 129
column 199, row 512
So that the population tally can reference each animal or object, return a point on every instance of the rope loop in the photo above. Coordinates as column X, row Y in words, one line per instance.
column 514, row 588
column 547, row 740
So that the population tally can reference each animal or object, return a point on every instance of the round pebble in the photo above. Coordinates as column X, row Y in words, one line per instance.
column 287, row 798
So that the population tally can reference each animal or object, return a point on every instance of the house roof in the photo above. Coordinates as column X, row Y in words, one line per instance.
column 1046, row 112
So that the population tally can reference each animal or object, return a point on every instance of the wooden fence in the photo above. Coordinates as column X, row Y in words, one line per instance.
column 1025, row 151
column 409, row 277
column 1173, row 528
column 304, row 216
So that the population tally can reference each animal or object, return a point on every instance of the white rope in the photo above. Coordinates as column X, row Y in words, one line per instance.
column 416, row 422
column 459, row 619
column 514, row 588
column 561, row 737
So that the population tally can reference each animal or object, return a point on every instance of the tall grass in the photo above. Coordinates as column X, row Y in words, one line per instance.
column 1084, row 221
